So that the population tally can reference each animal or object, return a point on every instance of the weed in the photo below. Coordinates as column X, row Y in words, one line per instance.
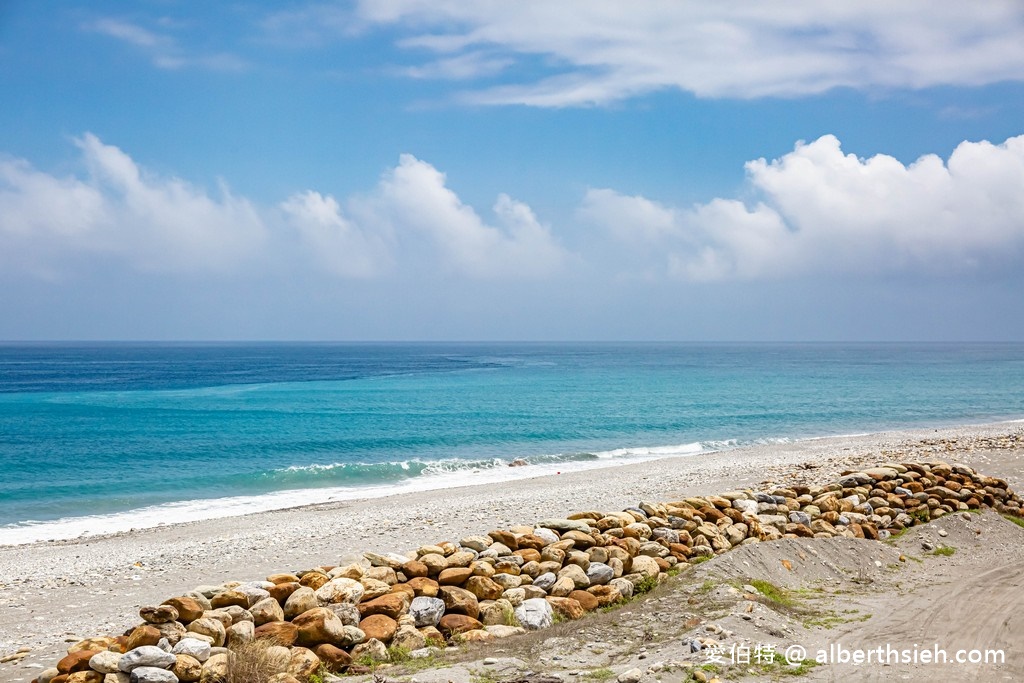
column 398, row 654
column 773, row 592
column 603, row 674
column 707, row 586
column 249, row 663
column 645, row 585
column 1016, row 520
column 944, row 551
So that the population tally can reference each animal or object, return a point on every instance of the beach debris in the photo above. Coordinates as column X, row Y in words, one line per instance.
column 507, row 581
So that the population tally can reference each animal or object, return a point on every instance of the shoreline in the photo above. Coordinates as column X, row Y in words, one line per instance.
column 72, row 529
column 71, row 589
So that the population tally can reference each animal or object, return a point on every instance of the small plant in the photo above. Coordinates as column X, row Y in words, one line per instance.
column 772, row 592
column 602, row 674
column 645, row 585
column 944, row 551
column 250, row 662
column 398, row 654
column 508, row 616
column 707, row 586
column 1016, row 520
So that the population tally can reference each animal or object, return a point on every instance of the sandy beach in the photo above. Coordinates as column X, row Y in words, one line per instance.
column 56, row 592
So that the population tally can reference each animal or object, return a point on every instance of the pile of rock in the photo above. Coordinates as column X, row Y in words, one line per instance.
column 502, row 583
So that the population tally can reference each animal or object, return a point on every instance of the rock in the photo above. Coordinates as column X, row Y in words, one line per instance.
column 319, row 625
column 283, row 632
column 148, row 656
column 371, row 649
column 349, row 614
column 459, row 601
column 567, row 608
column 408, row 638
column 105, row 662
column 84, row 677
column 476, row 543
column 599, row 573
column 267, row 610
column 187, row 668
column 587, row 601
column 160, row 614
column 502, row 631
column 302, row 600
column 189, row 609
column 645, row 566
column 564, row 585
column 215, row 669
column 535, row 614
column 484, row 588
column 427, row 611
column 239, row 634
column 303, row 663
column 606, row 595
column 333, row 658
column 545, row 581
column 150, row 674
column 198, row 649
column 213, row 628
column 146, row 634
column 283, row 677
column 393, row 605
column 434, row 562
column 340, row 590
column 372, row 588
column 576, row 574
column 630, row 676
column 564, row 525
column 458, row 623
column 379, row 627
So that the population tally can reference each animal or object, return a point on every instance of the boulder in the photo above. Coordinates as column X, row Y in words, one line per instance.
column 160, row 614
column 283, row 632
column 535, row 614
column 266, row 610
column 150, row 674
column 146, row 656
column 567, row 608
column 379, row 626
column 303, row 663
column 459, row 601
column 333, row 658
column 458, row 623
column 188, row 669
column 393, row 605
column 105, row 662
column 301, row 600
column 340, row 590
column 427, row 611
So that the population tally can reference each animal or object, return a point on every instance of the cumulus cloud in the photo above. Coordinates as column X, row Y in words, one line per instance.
column 334, row 241
column 413, row 202
column 118, row 209
column 587, row 52
column 820, row 210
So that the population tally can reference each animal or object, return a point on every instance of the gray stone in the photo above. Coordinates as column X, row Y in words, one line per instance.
column 599, row 573
column 548, row 535
column 631, row 676
column 193, row 647
column 535, row 614
column 800, row 518
column 426, row 611
column 545, row 581
column 148, row 656
column 152, row 674
column 105, row 662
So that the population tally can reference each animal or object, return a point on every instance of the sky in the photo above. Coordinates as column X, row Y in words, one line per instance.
column 530, row 170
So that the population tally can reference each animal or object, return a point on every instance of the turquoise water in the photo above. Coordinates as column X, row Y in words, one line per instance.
column 96, row 431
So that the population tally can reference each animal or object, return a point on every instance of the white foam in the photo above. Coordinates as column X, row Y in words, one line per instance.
column 197, row 510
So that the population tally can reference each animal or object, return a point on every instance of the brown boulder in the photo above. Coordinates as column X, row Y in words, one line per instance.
column 459, row 601
column 458, row 623
column 379, row 626
column 303, row 663
column 333, row 658
column 314, row 580
column 228, row 598
column 189, row 609
column 282, row 591
column 76, row 661
column 423, row 586
column 317, row 626
column 414, row 568
column 393, row 605
column 484, row 588
column 454, row 576
column 143, row 635
column 85, row 677
column 101, row 643
column 588, row 601
column 566, row 607
column 160, row 614
column 284, row 632
column 188, row 669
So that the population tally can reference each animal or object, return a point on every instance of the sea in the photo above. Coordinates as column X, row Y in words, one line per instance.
column 101, row 438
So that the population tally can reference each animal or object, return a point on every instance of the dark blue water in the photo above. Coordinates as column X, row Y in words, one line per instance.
column 102, row 429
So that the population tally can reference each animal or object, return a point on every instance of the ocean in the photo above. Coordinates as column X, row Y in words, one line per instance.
column 97, row 438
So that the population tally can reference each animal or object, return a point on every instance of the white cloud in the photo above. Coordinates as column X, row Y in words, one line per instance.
column 824, row 211
column 413, row 201
column 336, row 243
column 600, row 51
column 153, row 223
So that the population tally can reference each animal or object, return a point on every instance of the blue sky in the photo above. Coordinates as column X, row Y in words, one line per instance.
column 494, row 170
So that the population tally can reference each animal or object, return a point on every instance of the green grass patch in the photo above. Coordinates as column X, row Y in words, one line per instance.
column 645, row 585
column 602, row 674
column 1016, row 520
column 944, row 551
column 772, row 592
